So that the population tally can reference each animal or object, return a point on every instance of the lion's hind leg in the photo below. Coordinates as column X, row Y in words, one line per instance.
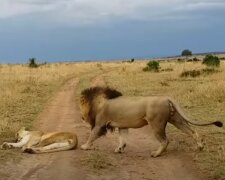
column 158, row 127
column 186, row 128
column 161, row 137
column 122, row 140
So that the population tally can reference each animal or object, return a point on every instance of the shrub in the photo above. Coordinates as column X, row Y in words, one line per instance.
column 209, row 71
column 152, row 66
column 33, row 63
column 167, row 69
column 196, row 59
column 180, row 60
column 196, row 73
column 145, row 68
column 191, row 73
column 212, row 61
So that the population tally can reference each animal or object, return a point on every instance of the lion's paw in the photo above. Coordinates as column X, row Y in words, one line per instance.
column 155, row 154
column 119, row 150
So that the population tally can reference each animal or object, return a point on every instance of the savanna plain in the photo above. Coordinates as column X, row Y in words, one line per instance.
column 25, row 92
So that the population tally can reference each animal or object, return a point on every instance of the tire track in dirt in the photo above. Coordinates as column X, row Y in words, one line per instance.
column 61, row 114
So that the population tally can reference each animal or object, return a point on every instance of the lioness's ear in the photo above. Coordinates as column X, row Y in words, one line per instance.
column 23, row 128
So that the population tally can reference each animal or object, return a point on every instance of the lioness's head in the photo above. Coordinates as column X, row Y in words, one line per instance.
column 93, row 97
column 21, row 133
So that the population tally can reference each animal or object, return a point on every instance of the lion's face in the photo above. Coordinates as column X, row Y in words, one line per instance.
column 84, row 107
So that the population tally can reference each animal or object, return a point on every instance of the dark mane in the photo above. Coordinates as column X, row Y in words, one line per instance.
column 90, row 94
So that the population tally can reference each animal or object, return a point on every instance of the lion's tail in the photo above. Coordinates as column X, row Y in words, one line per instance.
column 178, row 110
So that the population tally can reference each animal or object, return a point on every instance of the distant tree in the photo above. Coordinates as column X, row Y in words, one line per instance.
column 186, row 52
column 33, row 63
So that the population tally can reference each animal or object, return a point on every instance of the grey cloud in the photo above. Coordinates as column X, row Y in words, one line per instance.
column 39, row 2
column 81, row 12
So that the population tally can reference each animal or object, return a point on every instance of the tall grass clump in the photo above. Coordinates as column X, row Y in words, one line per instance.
column 191, row 73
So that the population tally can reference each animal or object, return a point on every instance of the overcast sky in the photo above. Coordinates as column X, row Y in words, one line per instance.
column 58, row 30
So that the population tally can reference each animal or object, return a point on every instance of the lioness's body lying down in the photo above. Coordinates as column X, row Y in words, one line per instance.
column 38, row 142
column 106, row 108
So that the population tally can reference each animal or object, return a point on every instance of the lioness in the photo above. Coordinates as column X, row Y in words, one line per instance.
column 105, row 108
column 38, row 142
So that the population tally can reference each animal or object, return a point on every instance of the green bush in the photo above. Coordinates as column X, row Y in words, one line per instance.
column 33, row 63
column 212, row 61
column 152, row 66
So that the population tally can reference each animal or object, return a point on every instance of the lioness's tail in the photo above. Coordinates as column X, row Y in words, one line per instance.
column 174, row 107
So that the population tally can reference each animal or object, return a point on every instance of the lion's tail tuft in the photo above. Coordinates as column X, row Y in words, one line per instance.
column 218, row 123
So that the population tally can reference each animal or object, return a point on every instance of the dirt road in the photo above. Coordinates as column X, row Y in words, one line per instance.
column 62, row 114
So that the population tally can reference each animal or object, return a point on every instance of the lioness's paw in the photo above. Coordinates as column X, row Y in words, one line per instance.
column 3, row 146
column 85, row 147
column 6, row 145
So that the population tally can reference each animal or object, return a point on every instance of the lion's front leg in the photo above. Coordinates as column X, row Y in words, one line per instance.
column 122, row 140
column 93, row 136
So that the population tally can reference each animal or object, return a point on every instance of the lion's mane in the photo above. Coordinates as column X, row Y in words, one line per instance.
column 88, row 99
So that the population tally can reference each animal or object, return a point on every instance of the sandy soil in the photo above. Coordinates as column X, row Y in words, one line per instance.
column 62, row 114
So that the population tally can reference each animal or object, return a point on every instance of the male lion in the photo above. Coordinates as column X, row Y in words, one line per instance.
column 105, row 108
column 38, row 142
